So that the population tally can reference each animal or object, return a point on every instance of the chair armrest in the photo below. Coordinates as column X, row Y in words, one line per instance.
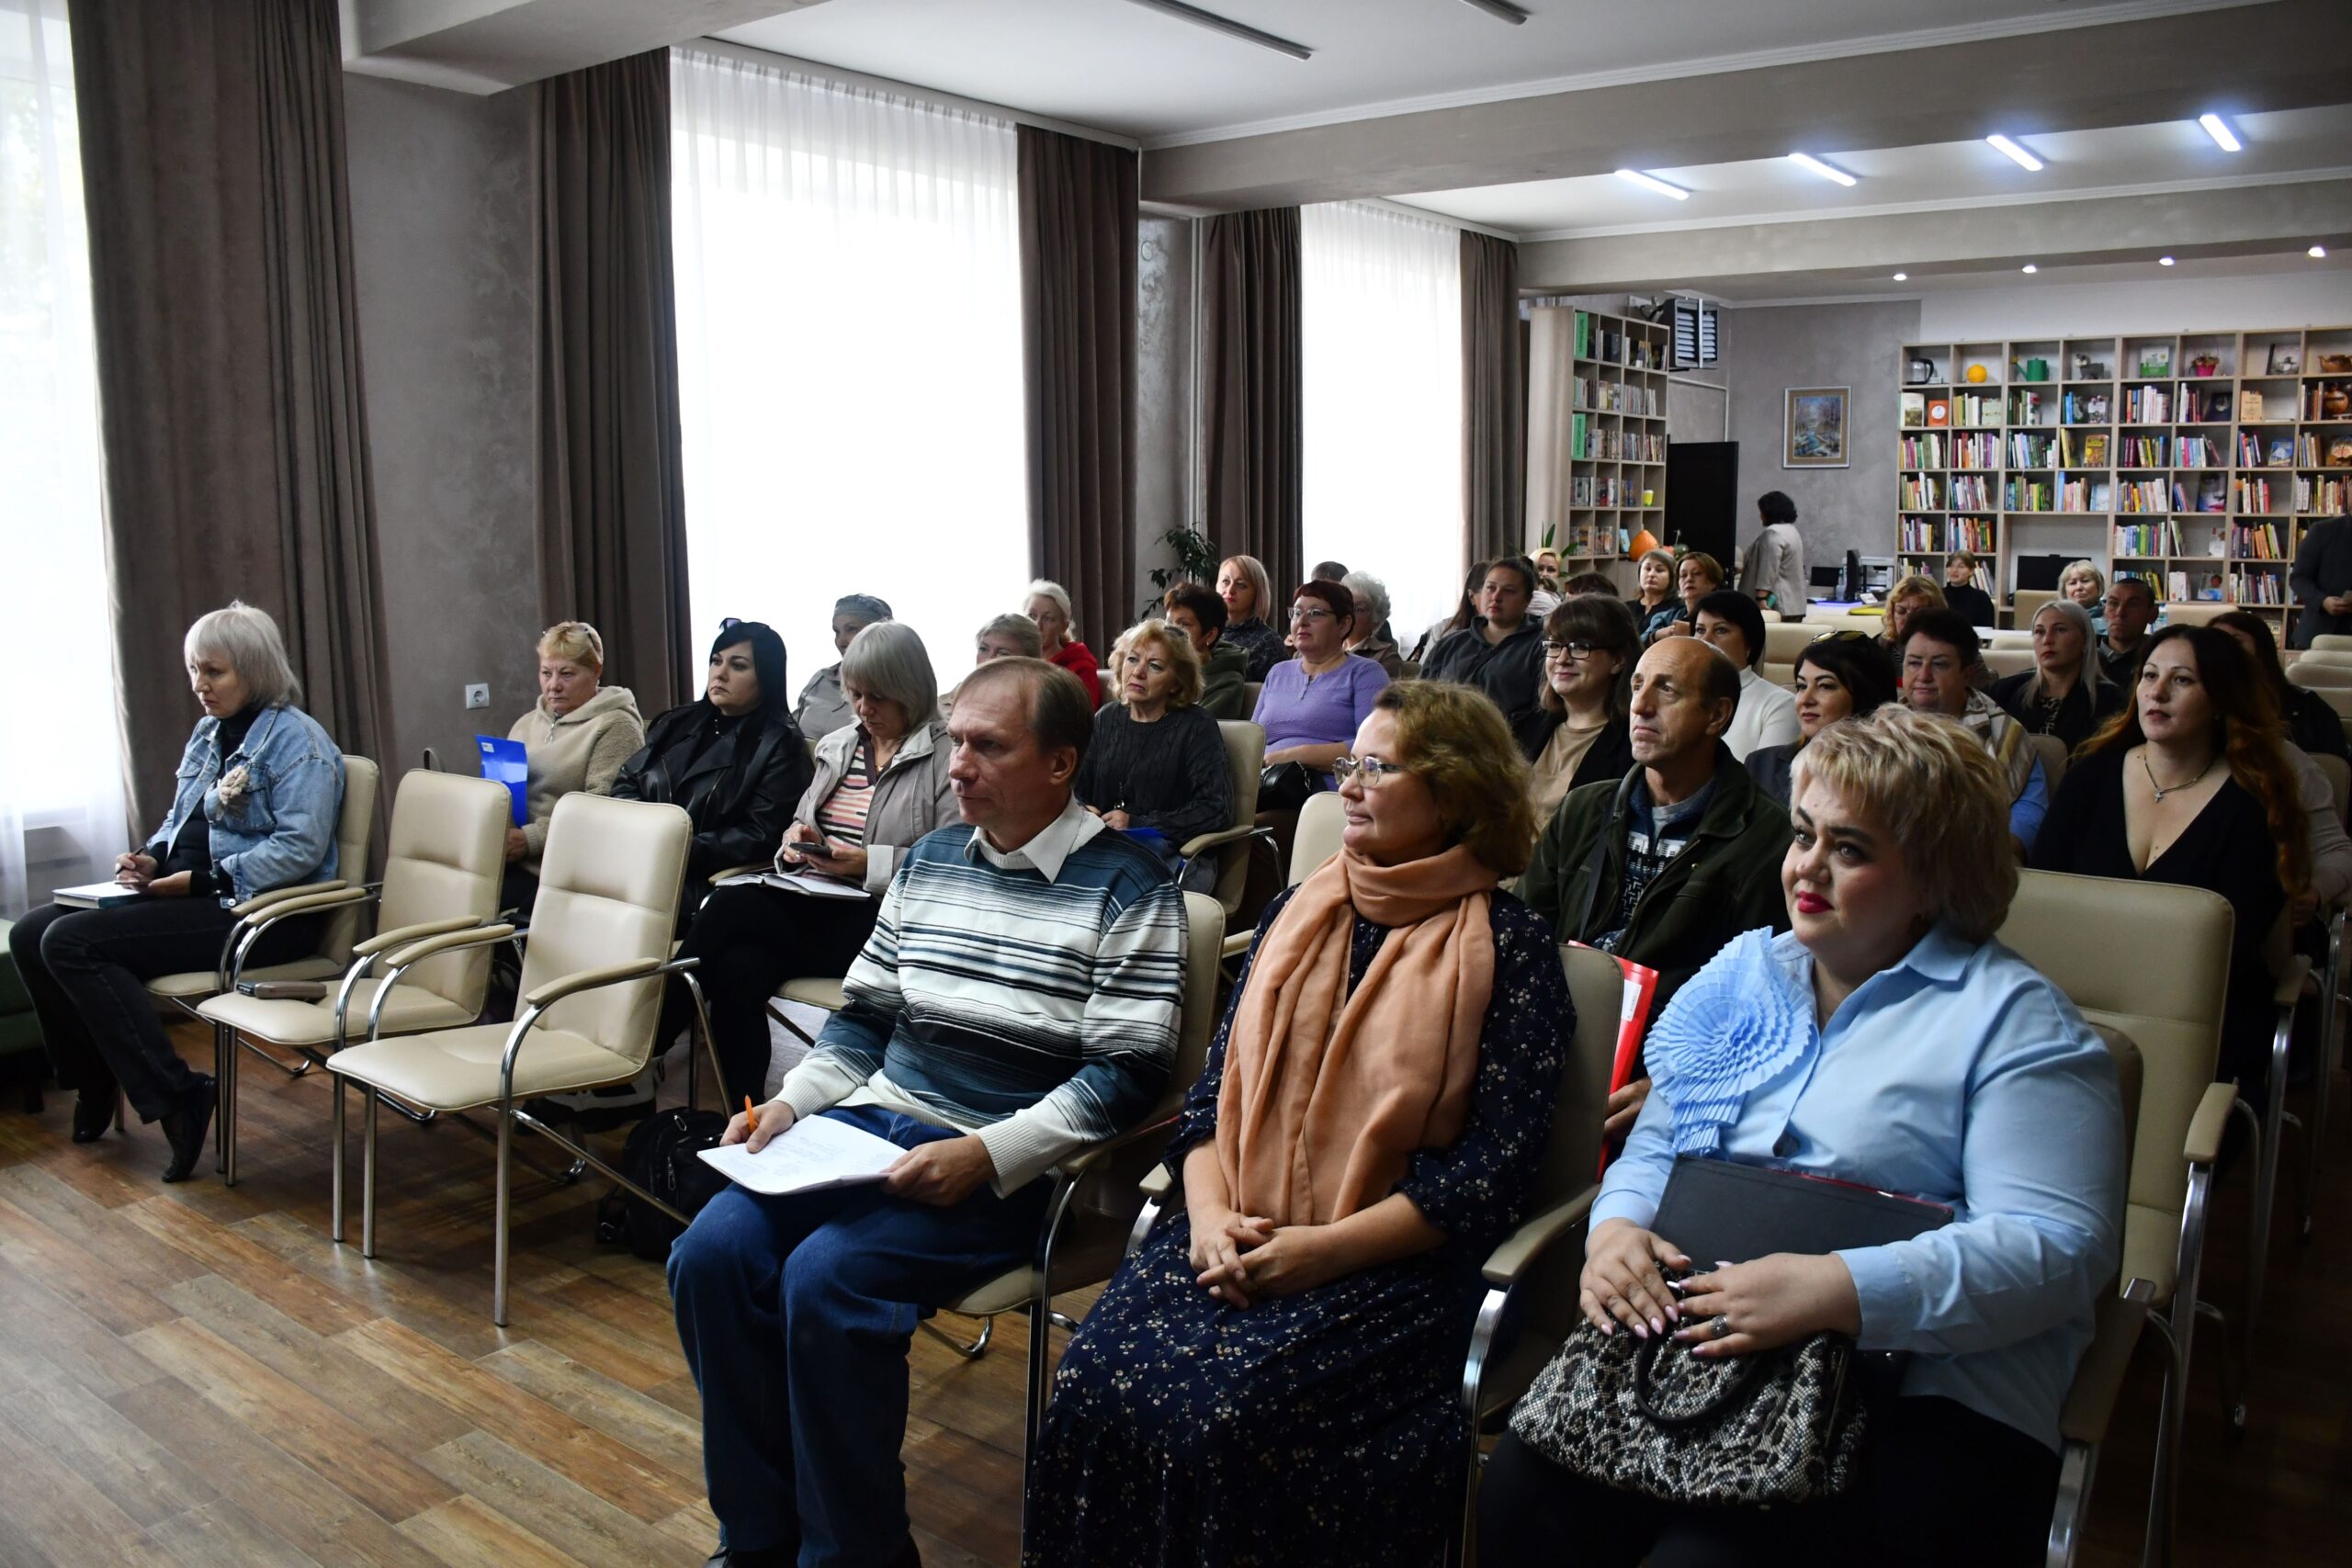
column 1236, row 944
column 1532, row 1239
column 563, row 986
column 1208, row 842
column 2090, row 1402
column 2203, row 1145
column 756, row 868
column 2289, row 989
column 1156, row 1182
column 403, row 935
column 260, row 901
column 266, row 910
column 447, row 941
column 1093, row 1155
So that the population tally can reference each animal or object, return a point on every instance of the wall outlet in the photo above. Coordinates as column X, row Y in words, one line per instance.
column 478, row 695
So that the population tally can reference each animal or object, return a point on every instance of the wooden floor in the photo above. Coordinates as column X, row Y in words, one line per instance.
column 195, row 1374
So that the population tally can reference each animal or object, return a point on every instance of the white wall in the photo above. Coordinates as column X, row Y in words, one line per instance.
column 2320, row 298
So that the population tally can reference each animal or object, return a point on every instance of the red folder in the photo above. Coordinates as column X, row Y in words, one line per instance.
column 1632, row 1022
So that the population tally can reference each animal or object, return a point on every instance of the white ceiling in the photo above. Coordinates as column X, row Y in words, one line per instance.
column 1132, row 72
column 2294, row 144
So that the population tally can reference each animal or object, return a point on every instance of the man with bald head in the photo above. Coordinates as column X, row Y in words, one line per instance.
column 1671, row 862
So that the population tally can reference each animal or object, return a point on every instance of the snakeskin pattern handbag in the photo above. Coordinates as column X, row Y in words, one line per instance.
column 1645, row 1415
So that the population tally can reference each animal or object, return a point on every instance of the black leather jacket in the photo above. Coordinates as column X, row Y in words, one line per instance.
column 739, row 811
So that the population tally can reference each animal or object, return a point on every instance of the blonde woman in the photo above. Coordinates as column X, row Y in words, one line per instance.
column 1157, row 766
column 1049, row 606
column 577, row 736
column 1248, row 595
column 2084, row 583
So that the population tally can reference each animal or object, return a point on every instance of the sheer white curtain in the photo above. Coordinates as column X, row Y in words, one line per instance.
column 849, row 355
column 60, row 755
column 1380, row 345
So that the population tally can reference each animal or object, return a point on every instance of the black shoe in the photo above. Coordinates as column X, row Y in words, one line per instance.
column 185, row 1128
column 93, row 1114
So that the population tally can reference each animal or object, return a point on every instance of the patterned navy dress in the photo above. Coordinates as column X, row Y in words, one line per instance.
column 1320, row 1427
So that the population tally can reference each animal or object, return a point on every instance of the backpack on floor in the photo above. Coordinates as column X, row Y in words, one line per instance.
column 663, row 1156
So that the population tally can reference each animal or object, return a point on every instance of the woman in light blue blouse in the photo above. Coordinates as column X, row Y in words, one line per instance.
column 1887, row 1040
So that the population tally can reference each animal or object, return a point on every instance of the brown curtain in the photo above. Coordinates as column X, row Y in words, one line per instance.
column 1077, row 356
column 228, row 353
column 1250, row 389
column 1494, row 410
column 612, row 501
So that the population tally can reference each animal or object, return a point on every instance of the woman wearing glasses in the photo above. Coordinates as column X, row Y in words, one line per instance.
column 1575, row 733
column 1273, row 1377
column 1840, row 675
column 1311, row 705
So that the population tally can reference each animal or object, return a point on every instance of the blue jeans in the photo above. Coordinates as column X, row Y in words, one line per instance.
column 795, row 1314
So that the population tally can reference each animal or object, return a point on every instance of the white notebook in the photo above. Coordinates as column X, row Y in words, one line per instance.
column 808, row 882
column 96, row 895
column 815, row 1152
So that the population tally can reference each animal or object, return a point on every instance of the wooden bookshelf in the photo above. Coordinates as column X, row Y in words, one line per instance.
column 1597, row 437
column 2118, row 450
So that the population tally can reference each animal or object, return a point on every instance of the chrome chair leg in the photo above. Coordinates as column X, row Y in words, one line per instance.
column 342, row 1113
column 223, row 1047
column 499, row 1241
column 225, row 1091
column 368, row 1177
column 971, row 1352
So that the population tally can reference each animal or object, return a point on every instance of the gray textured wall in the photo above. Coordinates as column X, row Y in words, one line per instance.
column 443, row 213
column 1165, row 297
column 1767, row 350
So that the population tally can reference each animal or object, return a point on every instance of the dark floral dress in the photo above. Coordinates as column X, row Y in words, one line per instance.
column 1321, row 1428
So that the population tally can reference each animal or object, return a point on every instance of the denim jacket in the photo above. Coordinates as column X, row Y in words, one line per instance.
column 280, row 829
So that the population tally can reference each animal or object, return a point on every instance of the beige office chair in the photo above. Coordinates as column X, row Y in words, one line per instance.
column 2024, row 604
column 593, row 972
column 1780, row 677
column 2099, row 1378
column 2195, row 615
column 2051, row 752
column 1245, row 755
column 1783, row 640
column 2337, row 698
column 2172, row 1011
column 2320, row 675
column 1532, row 1267
column 2331, row 642
column 2007, row 661
column 1249, row 690
column 1096, row 1192
column 2010, row 640
column 1321, row 821
column 442, row 872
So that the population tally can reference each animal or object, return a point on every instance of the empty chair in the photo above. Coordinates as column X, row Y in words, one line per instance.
column 1245, row 751
column 442, row 871
column 593, row 972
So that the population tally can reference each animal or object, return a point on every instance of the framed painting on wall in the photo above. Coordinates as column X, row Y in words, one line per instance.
column 1813, row 428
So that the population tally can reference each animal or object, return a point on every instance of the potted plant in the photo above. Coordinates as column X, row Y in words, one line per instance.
column 1196, row 561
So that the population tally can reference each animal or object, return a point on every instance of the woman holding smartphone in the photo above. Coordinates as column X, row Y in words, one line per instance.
column 881, row 783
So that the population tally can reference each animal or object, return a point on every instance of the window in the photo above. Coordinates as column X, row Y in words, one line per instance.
column 849, row 355
column 60, row 768
column 1380, row 341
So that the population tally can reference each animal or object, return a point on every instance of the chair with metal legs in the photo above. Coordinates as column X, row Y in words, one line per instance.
column 442, row 870
column 593, row 968
column 2172, row 1011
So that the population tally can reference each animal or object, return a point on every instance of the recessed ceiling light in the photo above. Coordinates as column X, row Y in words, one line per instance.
column 1807, row 160
column 2015, row 154
column 2029, row 268
column 2219, row 129
column 2316, row 252
column 1902, row 276
column 1651, row 181
column 2164, row 261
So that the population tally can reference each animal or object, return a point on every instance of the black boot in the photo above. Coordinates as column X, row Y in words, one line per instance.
column 186, row 1127
column 93, row 1114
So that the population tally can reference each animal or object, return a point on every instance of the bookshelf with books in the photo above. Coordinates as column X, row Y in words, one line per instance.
column 1597, row 454
column 2196, row 460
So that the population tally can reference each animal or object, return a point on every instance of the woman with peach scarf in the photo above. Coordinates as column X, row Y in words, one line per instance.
column 1271, row 1378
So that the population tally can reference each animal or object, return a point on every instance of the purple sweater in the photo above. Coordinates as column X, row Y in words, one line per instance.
column 1295, row 711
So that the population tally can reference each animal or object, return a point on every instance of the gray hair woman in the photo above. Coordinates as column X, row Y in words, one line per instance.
column 2067, row 694
column 1372, row 638
column 1049, row 606
column 576, row 739
column 821, row 708
column 881, row 783
column 255, row 804
column 2083, row 582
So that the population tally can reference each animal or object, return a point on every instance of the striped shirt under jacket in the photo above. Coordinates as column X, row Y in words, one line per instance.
column 1031, row 997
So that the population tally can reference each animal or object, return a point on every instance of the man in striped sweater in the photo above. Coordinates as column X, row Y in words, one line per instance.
column 1017, row 1001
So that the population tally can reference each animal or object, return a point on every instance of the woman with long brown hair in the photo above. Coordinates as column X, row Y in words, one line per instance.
column 2188, row 786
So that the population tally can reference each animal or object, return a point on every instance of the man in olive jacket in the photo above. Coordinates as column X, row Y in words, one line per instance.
column 1666, row 865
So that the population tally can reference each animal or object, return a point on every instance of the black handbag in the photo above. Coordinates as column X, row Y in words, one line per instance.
column 1285, row 786
column 663, row 1155
column 1645, row 1415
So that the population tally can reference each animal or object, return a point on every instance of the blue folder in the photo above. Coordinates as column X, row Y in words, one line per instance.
column 507, row 762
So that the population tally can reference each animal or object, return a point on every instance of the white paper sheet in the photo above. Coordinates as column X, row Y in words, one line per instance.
column 808, row 882
column 815, row 1152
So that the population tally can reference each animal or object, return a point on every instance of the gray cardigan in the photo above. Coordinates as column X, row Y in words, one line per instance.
column 911, row 798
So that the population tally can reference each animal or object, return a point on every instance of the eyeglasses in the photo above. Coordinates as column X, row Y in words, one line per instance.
column 1298, row 617
column 1372, row 770
column 1576, row 649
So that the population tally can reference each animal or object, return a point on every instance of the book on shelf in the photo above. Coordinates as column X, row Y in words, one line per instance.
column 2146, row 541
column 2329, row 400
column 1970, row 493
column 1976, row 409
column 2210, row 495
column 2144, row 495
column 2279, row 453
column 1914, row 411
column 2025, row 406
column 2156, row 360
column 2142, row 451
column 1976, row 451
column 2200, row 452
column 1975, row 534
column 2026, row 495
column 2083, row 493
column 1923, row 492
column 2251, row 496
column 1919, row 534
column 1938, row 413
column 2095, row 451
column 2027, row 450
column 1925, row 451
column 2147, row 405
column 1584, row 335
column 2257, row 588
column 2210, row 538
column 2255, row 541
column 2325, row 496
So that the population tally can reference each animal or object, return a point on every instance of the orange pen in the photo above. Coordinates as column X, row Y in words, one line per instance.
column 751, row 1110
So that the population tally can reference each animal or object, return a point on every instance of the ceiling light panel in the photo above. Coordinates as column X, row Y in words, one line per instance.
column 2219, row 129
column 1807, row 160
column 1651, row 181
column 1226, row 25
column 1503, row 9
column 2012, row 152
